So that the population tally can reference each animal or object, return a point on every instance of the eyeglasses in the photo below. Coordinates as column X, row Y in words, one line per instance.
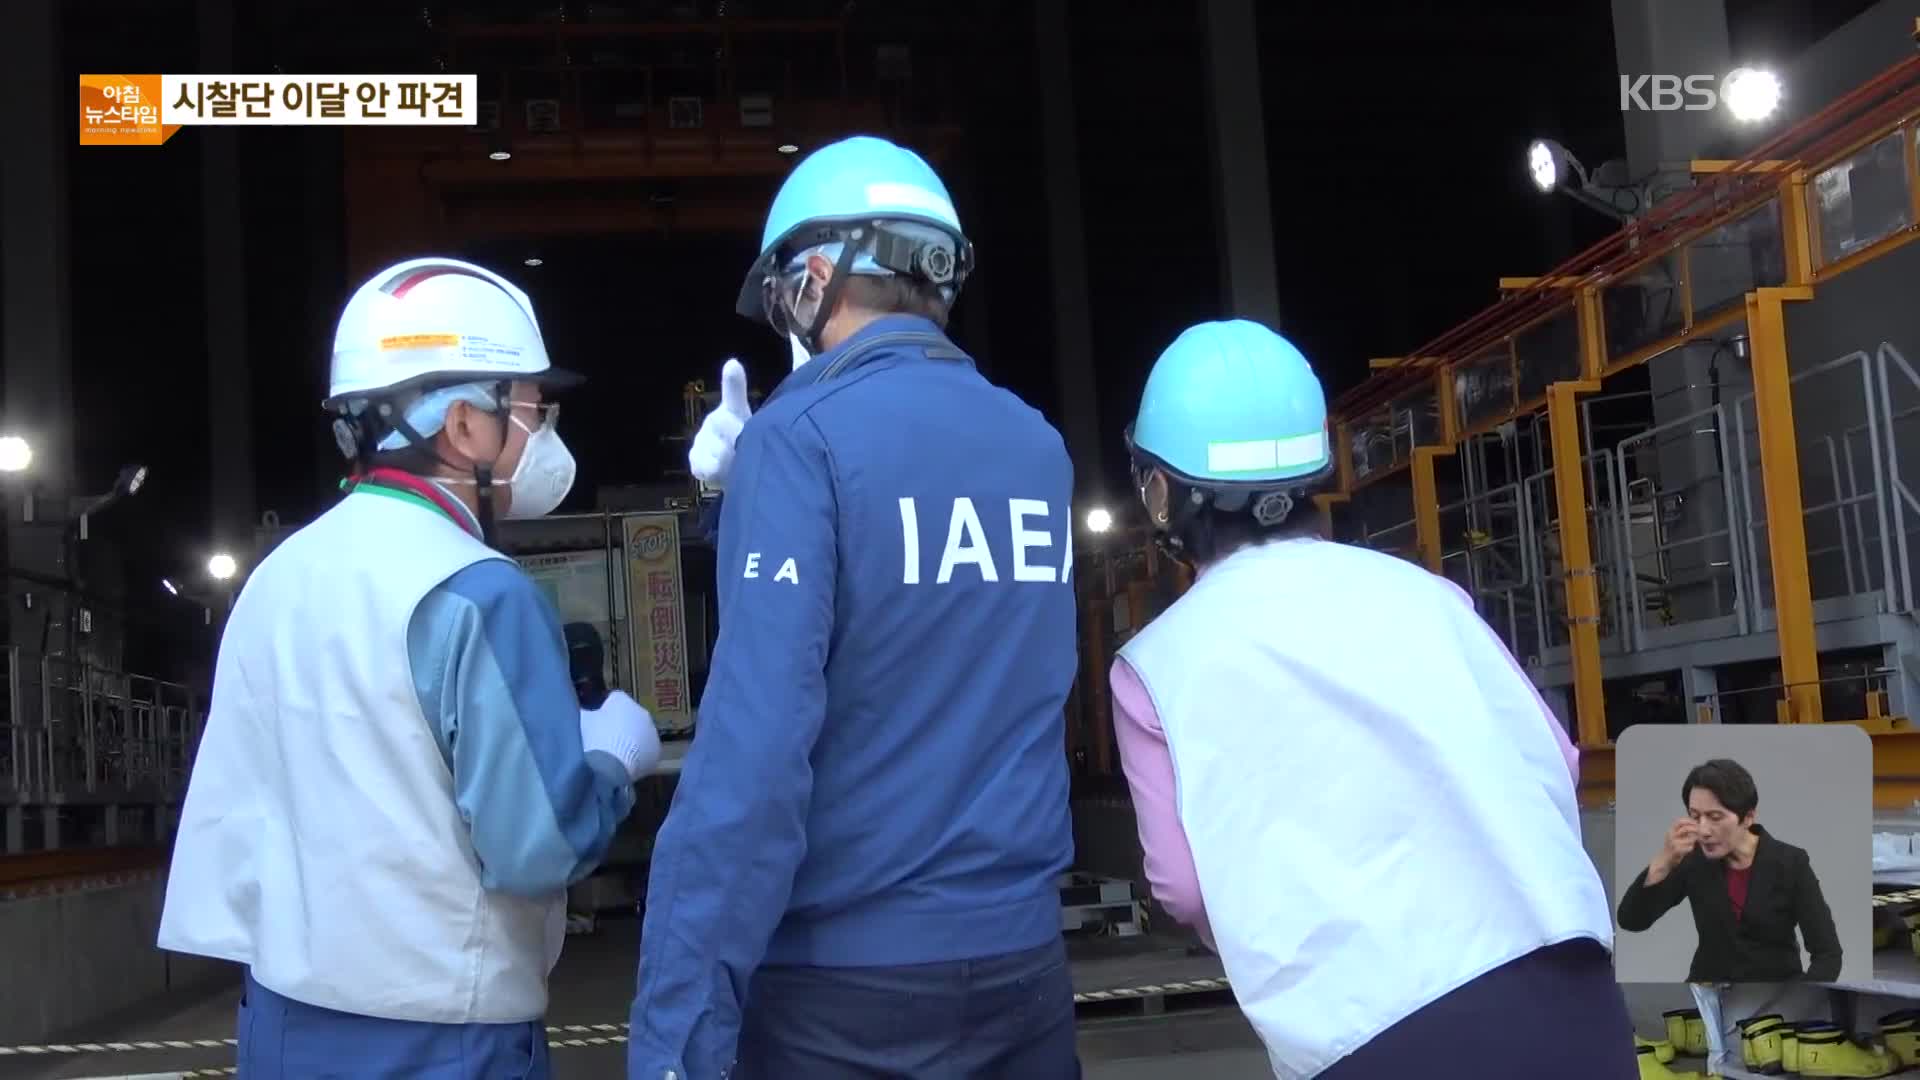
column 549, row 413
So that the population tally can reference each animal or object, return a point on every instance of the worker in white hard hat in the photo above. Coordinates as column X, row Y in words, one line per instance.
column 397, row 783
column 1341, row 778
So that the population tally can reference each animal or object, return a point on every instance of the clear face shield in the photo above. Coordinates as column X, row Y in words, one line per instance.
column 791, row 299
column 790, row 306
column 781, row 295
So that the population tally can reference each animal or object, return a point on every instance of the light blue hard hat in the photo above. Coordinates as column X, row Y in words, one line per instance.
column 904, row 216
column 1232, row 405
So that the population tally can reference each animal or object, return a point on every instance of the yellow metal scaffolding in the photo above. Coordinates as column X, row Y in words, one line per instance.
column 1779, row 179
column 1480, row 380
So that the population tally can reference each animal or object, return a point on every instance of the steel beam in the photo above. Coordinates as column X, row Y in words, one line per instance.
column 1243, row 207
column 1576, row 556
column 1786, row 514
column 1067, row 246
column 229, row 385
column 1426, row 506
column 36, row 345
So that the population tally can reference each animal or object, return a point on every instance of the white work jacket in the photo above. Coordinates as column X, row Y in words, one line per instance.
column 320, row 843
column 1376, row 810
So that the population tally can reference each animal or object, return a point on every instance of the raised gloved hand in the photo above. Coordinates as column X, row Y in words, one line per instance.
column 712, row 452
column 622, row 728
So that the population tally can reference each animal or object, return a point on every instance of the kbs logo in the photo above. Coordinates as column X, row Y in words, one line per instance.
column 1750, row 94
column 650, row 542
column 1669, row 93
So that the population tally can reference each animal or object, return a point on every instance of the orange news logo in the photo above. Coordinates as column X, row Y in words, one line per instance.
column 122, row 110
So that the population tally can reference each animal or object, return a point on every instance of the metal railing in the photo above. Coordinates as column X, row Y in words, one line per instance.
column 1501, row 544
column 1398, row 539
column 1675, row 558
column 1634, row 512
column 1857, row 696
column 74, row 732
column 1488, row 549
column 1858, row 509
column 1651, row 537
column 1606, row 541
column 1831, row 142
column 1900, row 501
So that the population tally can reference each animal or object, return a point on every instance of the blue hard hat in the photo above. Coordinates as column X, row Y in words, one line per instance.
column 855, row 182
column 1232, row 404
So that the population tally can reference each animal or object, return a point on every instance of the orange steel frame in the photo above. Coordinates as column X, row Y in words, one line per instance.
column 1726, row 192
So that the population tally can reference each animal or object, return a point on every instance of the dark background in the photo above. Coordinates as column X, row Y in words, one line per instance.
column 1395, row 130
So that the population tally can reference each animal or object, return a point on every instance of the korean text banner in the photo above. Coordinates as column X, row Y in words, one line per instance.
column 657, row 612
column 145, row 110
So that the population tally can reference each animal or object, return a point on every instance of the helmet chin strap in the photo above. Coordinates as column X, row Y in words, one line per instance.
column 1187, row 537
column 483, row 499
column 482, row 471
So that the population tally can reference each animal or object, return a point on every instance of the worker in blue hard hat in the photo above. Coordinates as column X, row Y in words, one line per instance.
column 858, row 876
column 1425, row 900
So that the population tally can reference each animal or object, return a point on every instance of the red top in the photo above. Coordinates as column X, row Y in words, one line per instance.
column 1737, row 888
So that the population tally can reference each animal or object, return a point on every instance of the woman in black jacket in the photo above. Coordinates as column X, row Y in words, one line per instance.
column 1748, row 890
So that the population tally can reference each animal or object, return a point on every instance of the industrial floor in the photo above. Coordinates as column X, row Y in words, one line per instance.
column 595, row 981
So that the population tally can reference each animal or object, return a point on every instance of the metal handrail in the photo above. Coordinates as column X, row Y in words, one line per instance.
column 1886, row 357
column 1489, row 503
column 1882, row 459
column 1885, row 101
column 1690, row 423
column 1878, row 674
column 89, row 731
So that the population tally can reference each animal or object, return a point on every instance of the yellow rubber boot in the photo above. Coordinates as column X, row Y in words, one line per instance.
column 1662, row 1049
column 1760, row 1038
column 1686, row 1031
column 1652, row 1068
column 1790, row 1048
column 1901, row 1032
column 1676, row 1020
column 1827, row 1051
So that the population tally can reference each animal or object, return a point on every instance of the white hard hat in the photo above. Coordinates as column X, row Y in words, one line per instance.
column 435, row 321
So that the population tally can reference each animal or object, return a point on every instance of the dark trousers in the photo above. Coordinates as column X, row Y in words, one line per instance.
column 1555, row 1012
column 1006, row 1017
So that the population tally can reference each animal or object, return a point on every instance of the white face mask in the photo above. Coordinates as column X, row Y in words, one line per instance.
column 800, row 353
column 544, row 475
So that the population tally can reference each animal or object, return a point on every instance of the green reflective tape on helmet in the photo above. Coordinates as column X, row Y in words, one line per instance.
column 1266, row 455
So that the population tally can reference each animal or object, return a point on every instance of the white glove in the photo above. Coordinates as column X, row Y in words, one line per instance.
column 621, row 727
column 712, row 452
